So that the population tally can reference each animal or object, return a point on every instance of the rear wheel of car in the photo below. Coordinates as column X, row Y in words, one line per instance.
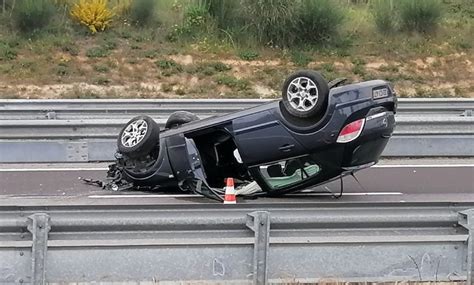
column 305, row 94
column 179, row 118
column 139, row 137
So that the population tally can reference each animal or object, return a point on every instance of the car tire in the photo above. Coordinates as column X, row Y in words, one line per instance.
column 139, row 137
column 305, row 94
column 179, row 118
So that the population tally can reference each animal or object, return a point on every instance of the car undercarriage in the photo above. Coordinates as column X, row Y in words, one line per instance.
column 318, row 132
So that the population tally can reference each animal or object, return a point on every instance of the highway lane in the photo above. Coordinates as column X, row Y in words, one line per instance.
column 381, row 183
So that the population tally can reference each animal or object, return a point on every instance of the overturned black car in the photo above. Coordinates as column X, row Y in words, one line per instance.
column 318, row 132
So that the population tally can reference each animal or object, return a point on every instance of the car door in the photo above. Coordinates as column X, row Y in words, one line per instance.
column 262, row 138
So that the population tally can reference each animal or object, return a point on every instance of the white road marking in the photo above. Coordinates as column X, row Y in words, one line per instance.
column 144, row 196
column 422, row 165
column 51, row 169
column 105, row 169
column 350, row 194
column 194, row 195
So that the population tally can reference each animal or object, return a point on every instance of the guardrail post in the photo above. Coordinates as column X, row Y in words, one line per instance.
column 259, row 223
column 39, row 227
column 466, row 219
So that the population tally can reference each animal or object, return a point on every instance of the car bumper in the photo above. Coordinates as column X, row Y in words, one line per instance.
column 367, row 149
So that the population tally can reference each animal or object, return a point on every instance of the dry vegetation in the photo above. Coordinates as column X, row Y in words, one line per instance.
column 182, row 52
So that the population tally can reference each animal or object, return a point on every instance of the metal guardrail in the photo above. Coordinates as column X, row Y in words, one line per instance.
column 76, row 149
column 110, row 128
column 248, row 243
column 103, row 109
column 92, row 138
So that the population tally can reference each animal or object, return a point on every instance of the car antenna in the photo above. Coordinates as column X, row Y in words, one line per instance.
column 358, row 182
column 341, row 189
column 342, row 186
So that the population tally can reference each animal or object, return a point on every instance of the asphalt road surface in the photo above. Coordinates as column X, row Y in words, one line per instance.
column 391, row 183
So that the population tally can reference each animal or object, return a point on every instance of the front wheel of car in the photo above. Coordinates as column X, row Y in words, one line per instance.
column 139, row 137
column 305, row 94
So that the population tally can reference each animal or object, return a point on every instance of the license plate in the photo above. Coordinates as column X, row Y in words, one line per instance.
column 380, row 93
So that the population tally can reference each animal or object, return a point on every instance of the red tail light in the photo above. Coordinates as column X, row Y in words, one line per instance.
column 351, row 131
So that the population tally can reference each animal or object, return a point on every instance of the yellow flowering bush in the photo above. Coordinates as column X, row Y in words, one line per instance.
column 95, row 14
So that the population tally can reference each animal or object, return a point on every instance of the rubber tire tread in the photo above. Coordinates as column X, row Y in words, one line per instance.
column 179, row 118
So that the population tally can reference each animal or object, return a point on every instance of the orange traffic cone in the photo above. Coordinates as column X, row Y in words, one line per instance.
column 229, row 197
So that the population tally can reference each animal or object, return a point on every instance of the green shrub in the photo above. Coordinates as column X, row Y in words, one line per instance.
column 228, row 21
column 142, row 12
column 359, row 67
column 233, row 82
column 30, row 64
column 421, row 16
column 225, row 13
column 109, row 43
column 168, row 64
column 328, row 67
column 62, row 70
column 208, row 68
column 196, row 20
column 248, row 55
column 219, row 66
column 319, row 21
column 385, row 16
column 7, row 52
column 33, row 15
column 300, row 58
column 287, row 23
column 271, row 21
column 151, row 54
column 389, row 68
column 169, row 67
column 180, row 91
column 135, row 46
column 65, row 44
column 102, row 80
column 101, row 68
column 97, row 52
column 463, row 44
column 125, row 32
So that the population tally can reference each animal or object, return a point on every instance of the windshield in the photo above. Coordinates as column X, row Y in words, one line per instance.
column 289, row 172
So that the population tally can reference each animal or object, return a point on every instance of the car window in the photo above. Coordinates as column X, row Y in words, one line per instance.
column 289, row 172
